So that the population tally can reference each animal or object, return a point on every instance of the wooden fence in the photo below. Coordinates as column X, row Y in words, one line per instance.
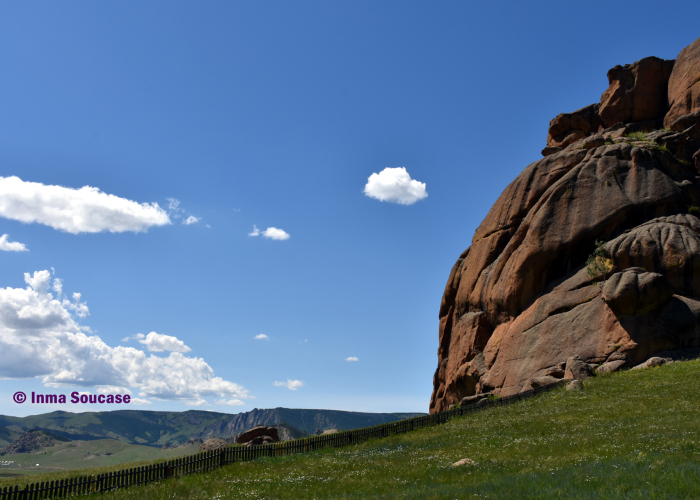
column 201, row 462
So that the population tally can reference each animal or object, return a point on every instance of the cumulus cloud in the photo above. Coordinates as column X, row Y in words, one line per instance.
column 155, row 342
column 290, row 384
column 275, row 234
column 84, row 210
column 272, row 233
column 352, row 358
column 396, row 186
column 190, row 220
column 262, row 336
column 40, row 337
column 11, row 246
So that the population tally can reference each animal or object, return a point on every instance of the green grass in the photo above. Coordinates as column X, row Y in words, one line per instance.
column 640, row 136
column 71, row 458
column 634, row 434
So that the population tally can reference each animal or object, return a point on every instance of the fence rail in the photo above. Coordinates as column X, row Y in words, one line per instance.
column 200, row 462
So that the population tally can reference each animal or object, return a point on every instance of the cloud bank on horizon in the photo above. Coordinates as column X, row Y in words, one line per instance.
column 84, row 210
column 39, row 337
column 395, row 186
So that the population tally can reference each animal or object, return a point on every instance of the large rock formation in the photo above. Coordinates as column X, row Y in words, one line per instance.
column 684, row 84
column 521, row 299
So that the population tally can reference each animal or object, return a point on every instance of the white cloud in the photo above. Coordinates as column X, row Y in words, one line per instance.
column 174, row 205
column 352, row 358
column 40, row 337
column 229, row 402
column 290, row 384
column 84, row 210
column 275, row 234
column 395, row 185
column 57, row 285
column 190, row 220
column 155, row 342
column 11, row 246
column 271, row 232
column 139, row 401
column 262, row 336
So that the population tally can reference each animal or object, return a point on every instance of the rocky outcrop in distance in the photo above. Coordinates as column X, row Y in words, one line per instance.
column 32, row 441
column 521, row 300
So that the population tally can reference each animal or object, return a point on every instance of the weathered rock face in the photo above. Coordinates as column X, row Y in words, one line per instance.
column 257, row 432
column 519, row 302
column 635, row 291
column 567, row 128
column 213, row 444
column 684, row 84
column 637, row 92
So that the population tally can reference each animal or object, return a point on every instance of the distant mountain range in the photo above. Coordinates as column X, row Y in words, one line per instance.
column 158, row 428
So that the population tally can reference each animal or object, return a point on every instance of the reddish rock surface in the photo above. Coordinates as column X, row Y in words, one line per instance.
column 684, row 84
column 567, row 128
column 256, row 432
column 519, row 301
column 637, row 92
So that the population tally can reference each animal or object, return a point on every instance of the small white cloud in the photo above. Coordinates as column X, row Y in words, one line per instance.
column 84, row 210
column 208, row 226
column 396, row 186
column 352, row 358
column 275, row 234
column 255, row 232
column 262, row 336
column 159, row 343
column 139, row 401
column 139, row 336
column 11, row 246
column 290, row 384
column 126, row 339
column 174, row 205
column 229, row 402
column 190, row 220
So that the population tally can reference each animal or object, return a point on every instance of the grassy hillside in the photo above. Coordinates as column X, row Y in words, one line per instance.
column 101, row 453
column 156, row 428
column 627, row 435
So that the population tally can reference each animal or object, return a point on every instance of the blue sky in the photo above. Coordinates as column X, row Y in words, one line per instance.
column 244, row 115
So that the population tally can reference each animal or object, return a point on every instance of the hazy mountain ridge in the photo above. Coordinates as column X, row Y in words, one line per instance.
column 158, row 428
